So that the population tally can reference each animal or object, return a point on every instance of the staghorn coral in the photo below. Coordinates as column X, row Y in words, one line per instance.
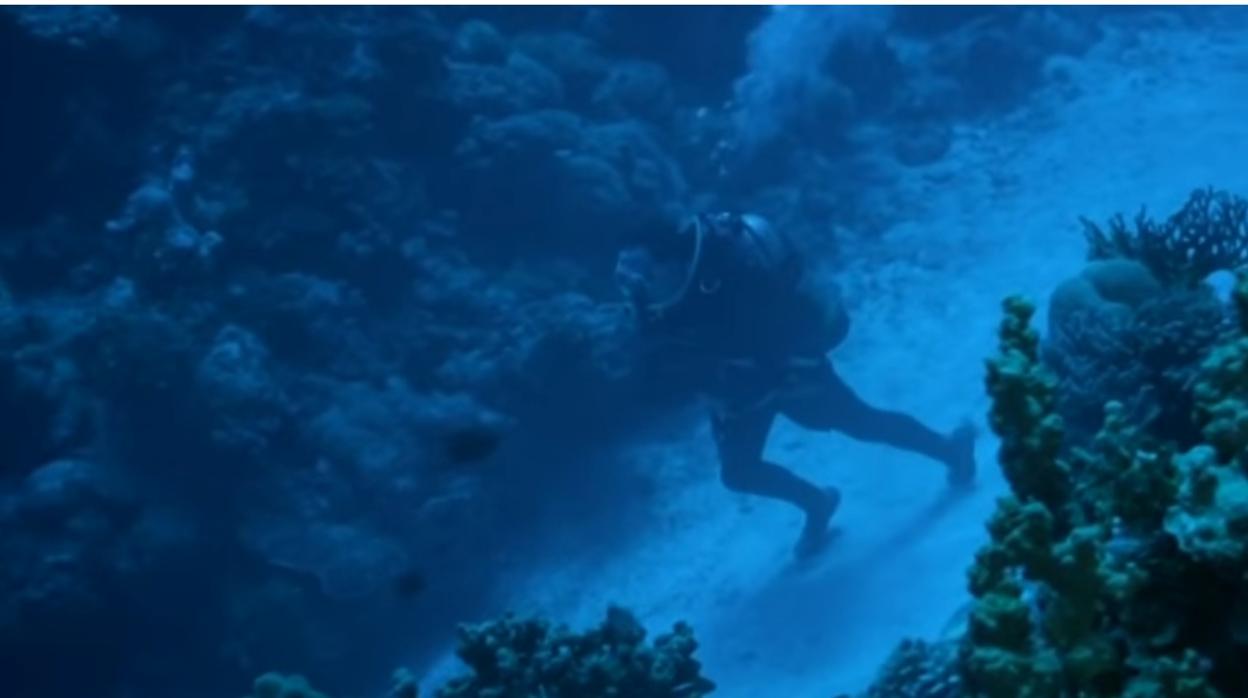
column 515, row 658
column 1210, row 233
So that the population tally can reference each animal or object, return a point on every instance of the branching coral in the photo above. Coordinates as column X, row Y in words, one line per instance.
column 1210, row 233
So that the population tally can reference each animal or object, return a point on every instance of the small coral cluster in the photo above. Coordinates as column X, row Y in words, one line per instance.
column 918, row 669
column 514, row 658
column 278, row 686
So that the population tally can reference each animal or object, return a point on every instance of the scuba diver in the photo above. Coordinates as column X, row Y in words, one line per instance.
column 723, row 302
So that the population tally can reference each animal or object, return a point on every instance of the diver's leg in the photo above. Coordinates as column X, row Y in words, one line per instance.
column 827, row 403
column 740, row 439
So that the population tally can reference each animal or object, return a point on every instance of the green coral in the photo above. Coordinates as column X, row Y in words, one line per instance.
column 404, row 685
column 1005, row 653
column 1221, row 393
column 1024, row 410
column 1167, row 677
column 1077, row 549
column 999, row 658
column 528, row 658
column 1210, row 520
column 1116, row 566
column 1122, row 481
column 1221, row 404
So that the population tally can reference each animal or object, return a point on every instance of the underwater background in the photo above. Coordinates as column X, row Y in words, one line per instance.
column 311, row 351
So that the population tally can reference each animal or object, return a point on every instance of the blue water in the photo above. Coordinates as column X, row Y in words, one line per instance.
column 311, row 348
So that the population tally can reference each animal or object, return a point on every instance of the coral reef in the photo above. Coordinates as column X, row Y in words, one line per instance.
column 1116, row 563
column 318, row 289
column 1109, row 562
column 1134, row 325
column 283, row 336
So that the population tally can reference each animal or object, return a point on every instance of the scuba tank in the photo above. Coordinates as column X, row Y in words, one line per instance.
column 747, row 250
column 728, row 247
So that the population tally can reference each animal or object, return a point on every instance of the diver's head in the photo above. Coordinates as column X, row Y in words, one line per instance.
column 665, row 261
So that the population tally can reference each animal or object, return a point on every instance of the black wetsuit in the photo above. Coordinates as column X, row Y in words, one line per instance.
column 820, row 401
column 757, row 341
